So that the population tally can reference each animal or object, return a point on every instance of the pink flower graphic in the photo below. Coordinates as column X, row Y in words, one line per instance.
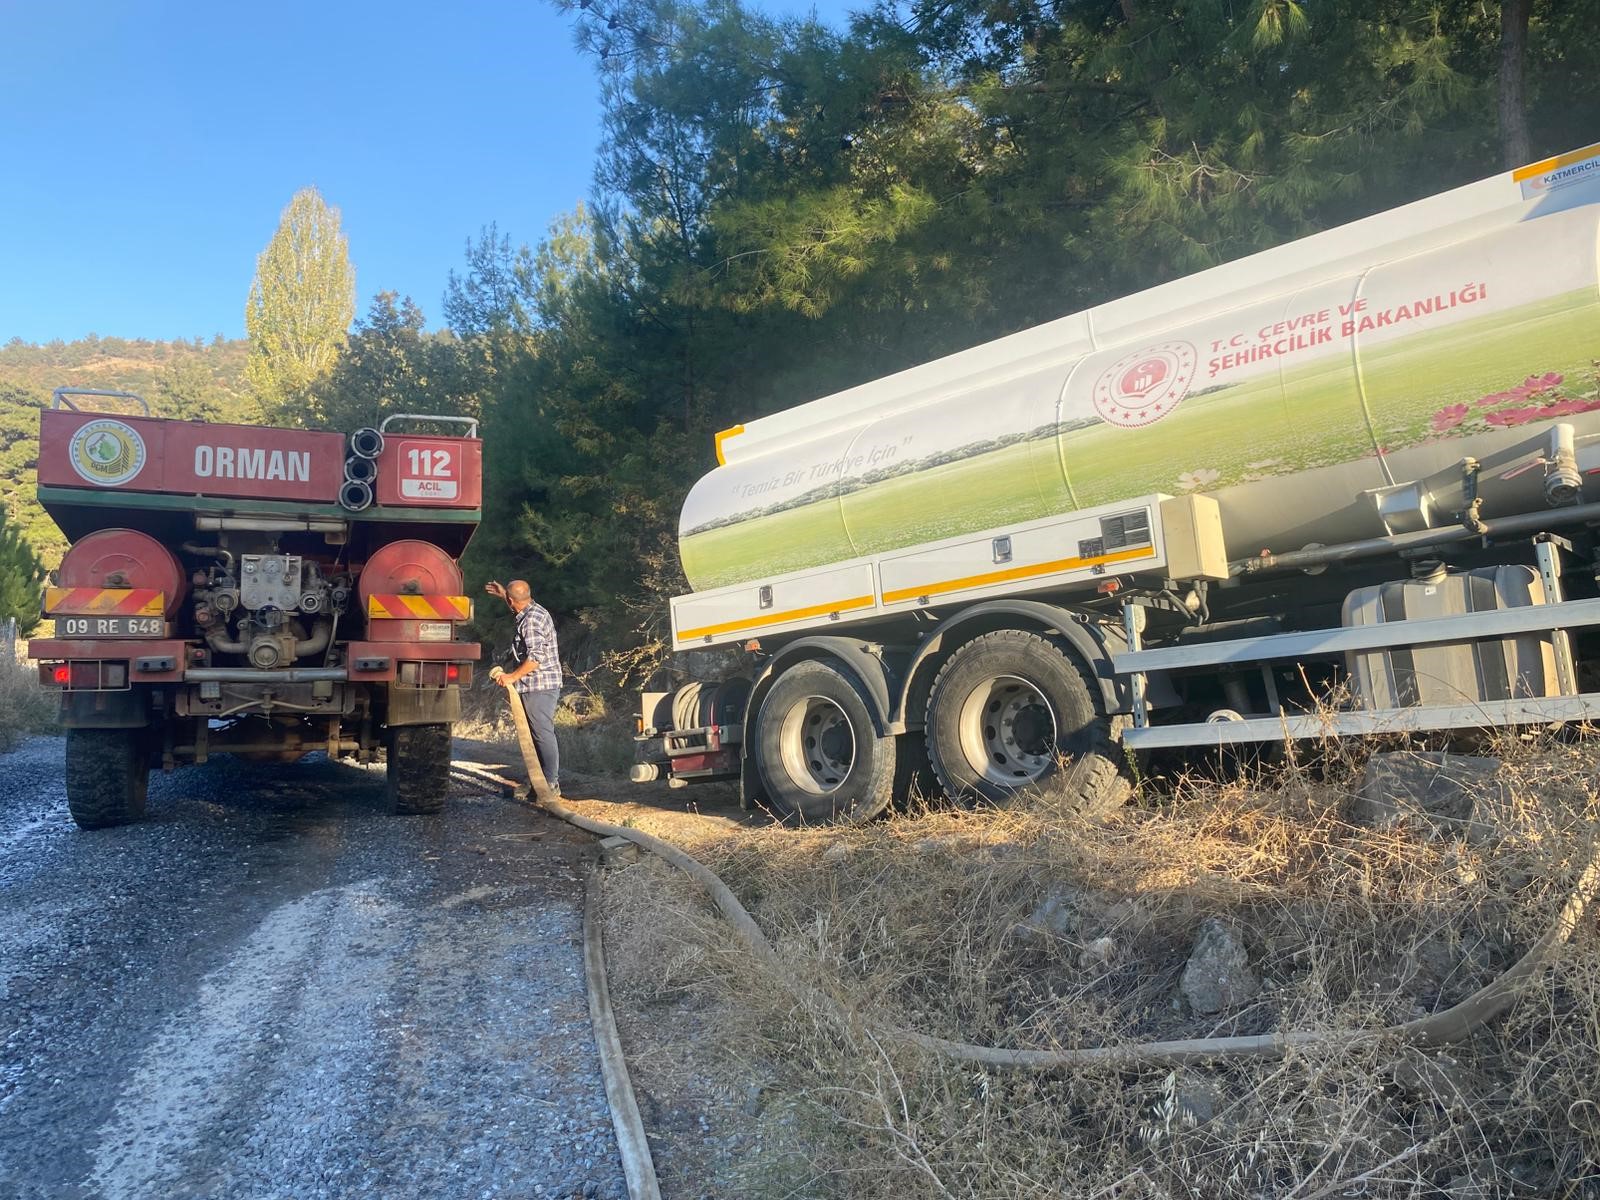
column 1512, row 416
column 1449, row 417
column 1546, row 412
column 1530, row 387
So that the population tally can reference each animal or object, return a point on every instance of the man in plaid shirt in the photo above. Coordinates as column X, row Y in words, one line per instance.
column 537, row 676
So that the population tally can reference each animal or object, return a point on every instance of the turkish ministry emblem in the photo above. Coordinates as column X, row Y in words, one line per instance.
column 1142, row 387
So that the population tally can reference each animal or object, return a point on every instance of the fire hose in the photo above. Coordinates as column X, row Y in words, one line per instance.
column 1442, row 1028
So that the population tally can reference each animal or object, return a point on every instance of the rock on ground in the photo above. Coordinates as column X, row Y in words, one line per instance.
column 1218, row 976
column 1449, row 793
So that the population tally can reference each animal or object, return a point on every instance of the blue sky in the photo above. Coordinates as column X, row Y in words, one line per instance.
column 149, row 148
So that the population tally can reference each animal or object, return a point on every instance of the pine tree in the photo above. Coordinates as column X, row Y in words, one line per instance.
column 392, row 365
column 22, row 575
column 301, row 305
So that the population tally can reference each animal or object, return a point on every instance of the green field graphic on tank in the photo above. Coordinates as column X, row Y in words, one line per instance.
column 1337, row 374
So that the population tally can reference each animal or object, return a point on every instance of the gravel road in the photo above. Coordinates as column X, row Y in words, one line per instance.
column 272, row 988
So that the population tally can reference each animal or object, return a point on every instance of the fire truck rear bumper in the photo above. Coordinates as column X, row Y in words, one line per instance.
column 377, row 662
column 162, row 660
column 149, row 660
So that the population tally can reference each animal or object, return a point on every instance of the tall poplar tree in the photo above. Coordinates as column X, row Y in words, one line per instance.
column 301, row 304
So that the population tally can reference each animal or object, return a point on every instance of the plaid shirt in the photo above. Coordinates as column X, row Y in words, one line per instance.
column 536, row 639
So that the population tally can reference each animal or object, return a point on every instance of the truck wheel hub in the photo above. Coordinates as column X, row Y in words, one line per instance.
column 818, row 745
column 1008, row 731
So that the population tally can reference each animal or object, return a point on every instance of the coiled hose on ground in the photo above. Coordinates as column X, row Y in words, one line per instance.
column 1437, row 1029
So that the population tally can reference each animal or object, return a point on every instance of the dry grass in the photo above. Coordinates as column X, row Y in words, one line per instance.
column 25, row 705
column 1037, row 929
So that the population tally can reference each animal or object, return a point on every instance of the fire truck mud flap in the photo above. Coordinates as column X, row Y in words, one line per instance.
column 104, row 710
column 423, row 705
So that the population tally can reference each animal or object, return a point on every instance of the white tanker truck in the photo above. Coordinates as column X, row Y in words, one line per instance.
column 1327, row 489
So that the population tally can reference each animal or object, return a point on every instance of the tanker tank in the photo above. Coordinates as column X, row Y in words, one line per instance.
column 1295, row 386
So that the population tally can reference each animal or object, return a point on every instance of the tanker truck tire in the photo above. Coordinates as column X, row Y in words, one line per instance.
column 1014, row 710
column 820, row 757
column 108, row 776
column 419, row 769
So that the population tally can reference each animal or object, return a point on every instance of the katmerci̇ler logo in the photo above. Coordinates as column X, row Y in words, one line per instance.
column 106, row 452
column 1142, row 387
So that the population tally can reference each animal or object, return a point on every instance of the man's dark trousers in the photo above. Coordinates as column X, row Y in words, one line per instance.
column 540, row 705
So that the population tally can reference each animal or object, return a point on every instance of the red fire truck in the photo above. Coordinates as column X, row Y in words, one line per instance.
column 259, row 592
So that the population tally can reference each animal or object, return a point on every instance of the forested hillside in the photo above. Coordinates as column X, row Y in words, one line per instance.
column 783, row 210
column 193, row 379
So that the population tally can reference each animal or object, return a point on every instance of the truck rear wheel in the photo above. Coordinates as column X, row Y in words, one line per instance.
column 820, row 756
column 108, row 776
column 419, row 768
column 1012, row 709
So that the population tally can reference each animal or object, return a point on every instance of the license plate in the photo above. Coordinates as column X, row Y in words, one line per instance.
column 433, row 631
column 109, row 627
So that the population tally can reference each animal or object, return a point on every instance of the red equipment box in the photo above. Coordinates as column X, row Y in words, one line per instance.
column 435, row 472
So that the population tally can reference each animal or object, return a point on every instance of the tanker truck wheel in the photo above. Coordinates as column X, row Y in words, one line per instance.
column 108, row 776
column 1012, row 710
column 419, row 768
column 820, row 757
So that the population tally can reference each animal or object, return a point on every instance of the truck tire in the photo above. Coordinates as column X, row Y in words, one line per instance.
column 108, row 776
column 1012, row 709
column 820, row 757
column 419, row 769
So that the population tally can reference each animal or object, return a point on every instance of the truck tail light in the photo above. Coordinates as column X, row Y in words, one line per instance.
column 89, row 675
column 434, row 674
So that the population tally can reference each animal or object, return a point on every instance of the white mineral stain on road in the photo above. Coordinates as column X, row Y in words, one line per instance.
column 256, row 1004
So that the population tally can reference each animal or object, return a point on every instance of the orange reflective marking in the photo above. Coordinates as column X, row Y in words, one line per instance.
column 424, row 608
column 1013, row 573
column 723, row 436
column 775, row 618
column 104, row 602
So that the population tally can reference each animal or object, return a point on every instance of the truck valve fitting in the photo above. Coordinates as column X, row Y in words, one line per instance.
column 1563, row 484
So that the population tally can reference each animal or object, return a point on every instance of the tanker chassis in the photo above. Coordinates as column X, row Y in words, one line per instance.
column 258, row 592
column 1327, row 490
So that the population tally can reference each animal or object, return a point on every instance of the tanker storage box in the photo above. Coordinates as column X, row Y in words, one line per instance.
column 1192, row 531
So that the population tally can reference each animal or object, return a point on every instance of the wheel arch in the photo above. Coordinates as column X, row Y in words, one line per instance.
column 859, row 659
column 1093, row 643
